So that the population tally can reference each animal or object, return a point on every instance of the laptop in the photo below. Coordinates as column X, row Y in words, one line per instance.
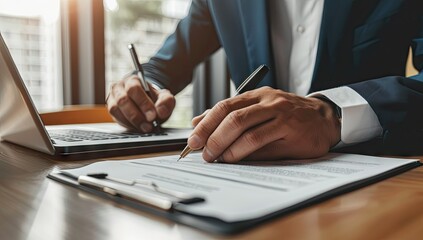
column 20, row 123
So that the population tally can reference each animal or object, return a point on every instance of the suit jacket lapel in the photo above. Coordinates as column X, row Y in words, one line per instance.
column 335, row 19
column 255, row 23
column 336, row 14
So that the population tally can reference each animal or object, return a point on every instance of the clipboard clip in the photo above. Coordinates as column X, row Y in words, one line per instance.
column 144, row 191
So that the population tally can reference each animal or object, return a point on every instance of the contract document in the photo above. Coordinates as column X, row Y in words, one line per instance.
column 249, row 189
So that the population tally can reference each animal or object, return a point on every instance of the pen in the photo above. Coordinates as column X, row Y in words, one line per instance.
column 249, row 84
column 140, row 74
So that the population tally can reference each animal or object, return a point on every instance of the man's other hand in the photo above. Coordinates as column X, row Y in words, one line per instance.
column 132, row 108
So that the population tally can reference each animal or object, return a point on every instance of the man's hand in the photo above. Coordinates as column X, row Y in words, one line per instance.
column 131, row 107
column 266, row 124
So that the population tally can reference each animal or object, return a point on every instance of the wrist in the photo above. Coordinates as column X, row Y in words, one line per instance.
column 332, row 113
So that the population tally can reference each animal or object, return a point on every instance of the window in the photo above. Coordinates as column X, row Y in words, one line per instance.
column 31, row 31
column 146, row 23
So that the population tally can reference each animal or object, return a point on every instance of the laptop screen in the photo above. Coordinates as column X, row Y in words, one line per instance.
column 20, row 122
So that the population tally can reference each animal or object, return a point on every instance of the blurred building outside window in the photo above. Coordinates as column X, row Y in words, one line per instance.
column 31, row 29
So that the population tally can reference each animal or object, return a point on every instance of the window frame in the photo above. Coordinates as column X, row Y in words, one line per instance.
column 83, row 52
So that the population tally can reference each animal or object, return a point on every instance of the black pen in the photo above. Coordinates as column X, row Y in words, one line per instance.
column 140, row 74
column 249, row 84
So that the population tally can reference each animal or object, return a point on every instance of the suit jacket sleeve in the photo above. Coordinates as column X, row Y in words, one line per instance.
column 398, row 104
column 194, row 40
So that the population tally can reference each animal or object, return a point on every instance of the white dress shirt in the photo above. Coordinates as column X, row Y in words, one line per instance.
column 295, row 28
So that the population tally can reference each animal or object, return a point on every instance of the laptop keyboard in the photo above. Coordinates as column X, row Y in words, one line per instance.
column 70, row 135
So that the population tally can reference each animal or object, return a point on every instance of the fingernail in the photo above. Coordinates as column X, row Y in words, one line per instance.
column 145, row 127
column 220, row 160
column 149, row 115
column 194, row 142
column 207, row 155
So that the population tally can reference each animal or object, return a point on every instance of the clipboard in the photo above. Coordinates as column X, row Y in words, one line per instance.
column 216, row 226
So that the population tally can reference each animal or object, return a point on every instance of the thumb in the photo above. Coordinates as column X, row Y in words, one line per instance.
column 196, row 120
column 165, row 104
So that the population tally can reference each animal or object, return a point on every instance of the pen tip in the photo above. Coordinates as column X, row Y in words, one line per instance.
column 179, row 159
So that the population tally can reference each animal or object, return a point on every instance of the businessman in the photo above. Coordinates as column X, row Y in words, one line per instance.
column 337, row 77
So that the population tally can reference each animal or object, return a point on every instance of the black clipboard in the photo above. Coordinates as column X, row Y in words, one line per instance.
column 217, row 226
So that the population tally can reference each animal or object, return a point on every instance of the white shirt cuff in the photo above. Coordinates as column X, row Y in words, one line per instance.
column 359, row 122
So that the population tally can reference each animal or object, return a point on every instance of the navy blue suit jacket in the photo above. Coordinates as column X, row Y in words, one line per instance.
column 363, row 44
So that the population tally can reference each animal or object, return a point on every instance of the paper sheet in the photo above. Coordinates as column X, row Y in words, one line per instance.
column 236, row 192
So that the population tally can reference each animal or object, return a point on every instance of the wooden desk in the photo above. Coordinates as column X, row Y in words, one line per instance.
column 34, row 207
